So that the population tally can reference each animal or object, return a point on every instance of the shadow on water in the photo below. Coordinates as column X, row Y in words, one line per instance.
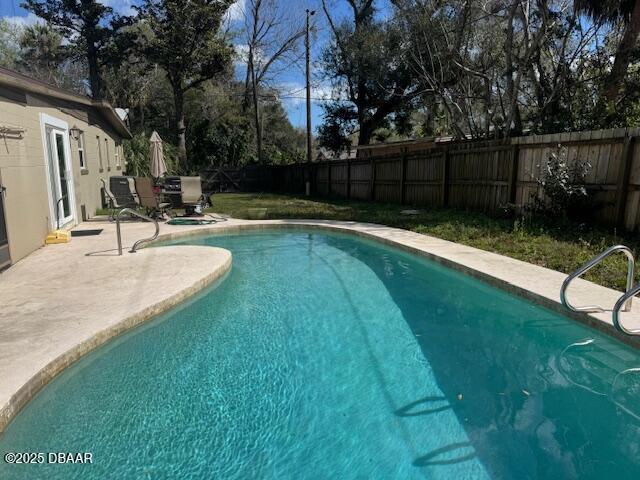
column 361, row 323
column 411, row 410
column 432, row 458
column 501, row 355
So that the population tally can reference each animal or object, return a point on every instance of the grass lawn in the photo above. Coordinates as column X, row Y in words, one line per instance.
column 559, row 247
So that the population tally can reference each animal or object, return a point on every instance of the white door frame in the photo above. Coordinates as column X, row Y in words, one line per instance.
column 5, row 252
column 63, row 128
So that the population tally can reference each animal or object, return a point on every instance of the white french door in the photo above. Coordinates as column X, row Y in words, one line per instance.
column 60, row 175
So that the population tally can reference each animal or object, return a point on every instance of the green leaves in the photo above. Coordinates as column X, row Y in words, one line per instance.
column 184, row 39
column 88, row 26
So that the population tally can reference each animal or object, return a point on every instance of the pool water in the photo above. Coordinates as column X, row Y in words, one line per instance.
column 326, row 356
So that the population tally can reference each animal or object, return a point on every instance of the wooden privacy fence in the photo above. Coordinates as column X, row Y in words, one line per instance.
column 486, row 176
column 249, row 178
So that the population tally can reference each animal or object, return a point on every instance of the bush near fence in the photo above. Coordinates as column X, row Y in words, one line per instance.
column 485, row 175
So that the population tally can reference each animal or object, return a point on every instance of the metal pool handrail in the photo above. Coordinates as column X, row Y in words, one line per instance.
column 618, row 306
column 588, row 266
column 139, row 242
column 58, row 211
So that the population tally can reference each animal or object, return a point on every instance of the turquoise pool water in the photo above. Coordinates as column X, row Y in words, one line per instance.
column 325, row 356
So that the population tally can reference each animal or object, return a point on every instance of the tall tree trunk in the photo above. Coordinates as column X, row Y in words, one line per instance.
column 623, row 56
column 248, row 87
column 178, row 98
column 364, row 137
column 510, row 90
column 256, row 114
column 95, row 78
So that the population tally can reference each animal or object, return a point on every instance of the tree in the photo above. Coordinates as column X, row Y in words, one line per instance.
column 367, row 64
column 9, row 43
column 272, row 44
column 221, row 132
column 489, row 69
column 41, row 50
column 87, row 25
column 283, row 144
column 43, row 56
column 184, row 40
column 146, row 92
column 614, row 11
column 133, row 81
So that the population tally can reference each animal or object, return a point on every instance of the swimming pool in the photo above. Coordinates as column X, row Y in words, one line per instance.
column 328, row 356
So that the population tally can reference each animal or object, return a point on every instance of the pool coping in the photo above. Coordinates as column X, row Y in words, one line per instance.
column 25, row 393
column 480, row 264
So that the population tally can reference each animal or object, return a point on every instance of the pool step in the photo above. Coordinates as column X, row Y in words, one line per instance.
column 607, row 372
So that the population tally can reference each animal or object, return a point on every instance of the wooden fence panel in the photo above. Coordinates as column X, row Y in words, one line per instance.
column 483, row 175
column 322, row 179
column 602, row 154
column 360, row 179
column 388, row 173
column 631, row 218
column 423, row 184
column 339, row 177
column 479, row 179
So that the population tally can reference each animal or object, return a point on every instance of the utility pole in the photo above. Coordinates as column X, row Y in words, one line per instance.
column 308, row 52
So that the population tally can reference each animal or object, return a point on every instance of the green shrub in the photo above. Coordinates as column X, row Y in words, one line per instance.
column 562, row 191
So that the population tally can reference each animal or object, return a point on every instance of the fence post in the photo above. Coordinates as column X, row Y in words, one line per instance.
column 403, row 177
column 328, row 178
column 445, row 177
column 372, row 187
column 623, row 180
column 513, row 174
column 348, row 178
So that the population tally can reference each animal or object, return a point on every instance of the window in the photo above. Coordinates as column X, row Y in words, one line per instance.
column 99, row 153
column 83, row 160
column 106, row 151
column 118, row 147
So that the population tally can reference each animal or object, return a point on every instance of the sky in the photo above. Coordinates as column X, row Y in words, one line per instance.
column 291, row 81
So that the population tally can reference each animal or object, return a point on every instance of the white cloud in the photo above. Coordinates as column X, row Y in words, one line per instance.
column 241, row 51
column 236, row 11
column 296, row 94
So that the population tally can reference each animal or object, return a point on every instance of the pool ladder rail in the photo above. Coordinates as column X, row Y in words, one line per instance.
column 141, row 241
column 624, row 302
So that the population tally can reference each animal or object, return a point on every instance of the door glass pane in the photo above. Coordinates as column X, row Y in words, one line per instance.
column 65, row 205
column 53, row 176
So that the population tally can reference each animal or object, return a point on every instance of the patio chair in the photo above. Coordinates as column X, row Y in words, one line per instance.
column 149, row 200
column 192, row 198
column 120, row 193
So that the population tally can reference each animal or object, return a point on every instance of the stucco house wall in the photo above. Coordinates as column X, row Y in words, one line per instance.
column 24, row 165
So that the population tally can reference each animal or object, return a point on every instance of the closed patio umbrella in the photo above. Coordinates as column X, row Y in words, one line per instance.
column 158, row 166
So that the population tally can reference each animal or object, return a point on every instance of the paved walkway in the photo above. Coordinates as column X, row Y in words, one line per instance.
column 65, row 300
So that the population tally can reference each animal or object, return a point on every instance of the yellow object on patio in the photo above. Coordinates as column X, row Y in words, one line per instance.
column 58, row 236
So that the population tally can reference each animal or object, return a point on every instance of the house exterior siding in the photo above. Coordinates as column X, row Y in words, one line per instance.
column 24, row 165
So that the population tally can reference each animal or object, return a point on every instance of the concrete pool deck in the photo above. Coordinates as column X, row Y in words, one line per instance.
column 59, row 303
column 65, row 300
